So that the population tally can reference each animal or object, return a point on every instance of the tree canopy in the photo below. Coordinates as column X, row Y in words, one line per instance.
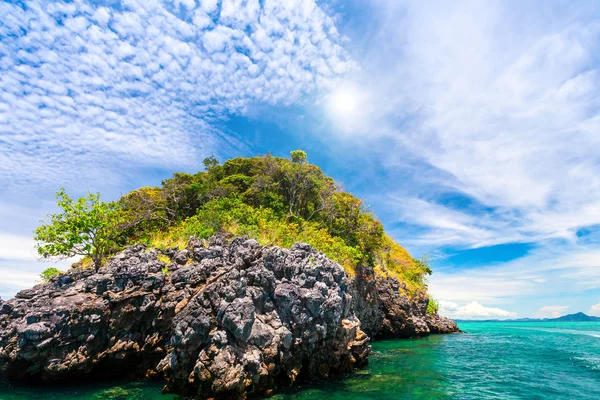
column 275, row 200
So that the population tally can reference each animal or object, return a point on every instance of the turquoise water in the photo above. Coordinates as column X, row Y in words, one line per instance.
column 491, row 361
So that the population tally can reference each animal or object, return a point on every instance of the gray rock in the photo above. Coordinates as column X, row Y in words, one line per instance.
column 239, row 317
column 181, row 257
column 5, row 308
column 236, row 319
column 232, row 319
column 386, row 312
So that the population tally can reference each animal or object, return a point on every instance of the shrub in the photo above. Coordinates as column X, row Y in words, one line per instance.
column 48, row 273
column 164, row 259
column 432, row 306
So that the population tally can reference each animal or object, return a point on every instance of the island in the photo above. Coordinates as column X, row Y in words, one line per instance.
column 577, row 317
column 248, row 276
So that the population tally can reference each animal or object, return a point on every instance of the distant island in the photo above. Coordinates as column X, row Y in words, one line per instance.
column 577, row 317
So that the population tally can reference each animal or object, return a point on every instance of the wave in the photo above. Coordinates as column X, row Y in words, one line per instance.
column 567, row 331
column 592, row 363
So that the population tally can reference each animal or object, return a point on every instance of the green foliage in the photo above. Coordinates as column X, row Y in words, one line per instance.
column 423, row 264
column 85, row 227
column 145, row 209
column 165, row 270
column 432, row 306
column 164, row 259
column 210, row 162
column 298, row 156
column 48, row 273
column 277, row 201
column 234, row 216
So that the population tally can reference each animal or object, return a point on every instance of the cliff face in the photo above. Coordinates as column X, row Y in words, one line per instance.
column 228, row 319
column 385, row 313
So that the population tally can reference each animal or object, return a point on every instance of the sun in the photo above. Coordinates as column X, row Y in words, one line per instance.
column 344, row 102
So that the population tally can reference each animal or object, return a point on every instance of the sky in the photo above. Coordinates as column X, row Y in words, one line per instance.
column 471, row 128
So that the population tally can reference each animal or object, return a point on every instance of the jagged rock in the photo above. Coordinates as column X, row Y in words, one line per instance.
column 181, row 257
column 237, row 319
column 439, row 324
column 386, row 313
column 230, row 319
column 5, row 308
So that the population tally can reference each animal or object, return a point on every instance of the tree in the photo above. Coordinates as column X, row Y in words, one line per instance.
column 299, row 183
column 424, row 264
column 298, row 156
column 210, row 162
column 145, row 209
column 85, row 227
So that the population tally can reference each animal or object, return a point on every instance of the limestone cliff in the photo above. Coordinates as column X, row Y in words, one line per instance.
column 227, row 320
column 386, row 313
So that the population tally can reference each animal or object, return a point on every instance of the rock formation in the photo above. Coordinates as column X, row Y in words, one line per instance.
column 228, row 319
column 385, row 313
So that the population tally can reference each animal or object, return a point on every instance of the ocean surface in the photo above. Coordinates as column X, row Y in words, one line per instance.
column 491, row 361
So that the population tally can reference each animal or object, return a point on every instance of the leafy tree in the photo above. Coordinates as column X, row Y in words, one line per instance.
column 185, row 193
column 48, row 273
column 423, row 264
column 85, row 227
column 145, row 209
column 301, row 185
column 298, row 156
column 210, row 162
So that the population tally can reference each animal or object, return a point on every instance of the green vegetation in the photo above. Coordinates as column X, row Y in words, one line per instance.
column 433, row 306
column 86, row 227
column 274, row 200
column 164, row 259
column 48, row 273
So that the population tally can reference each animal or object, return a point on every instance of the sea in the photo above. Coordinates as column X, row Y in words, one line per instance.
column 491, row 360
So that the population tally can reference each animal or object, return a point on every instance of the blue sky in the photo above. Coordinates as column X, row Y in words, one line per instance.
column 471, row 128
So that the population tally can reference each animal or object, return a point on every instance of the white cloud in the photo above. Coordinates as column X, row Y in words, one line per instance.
column 473, row 310
column 545, row 271
column 91, row 94
column 551, row 311
column 216, row 39
column 86, row 91
column 486, row 117
column 595, row 310
column 501, row 108
column 14, row 247
column 208, row 5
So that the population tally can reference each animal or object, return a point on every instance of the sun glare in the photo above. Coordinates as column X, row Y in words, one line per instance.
column 344, row 103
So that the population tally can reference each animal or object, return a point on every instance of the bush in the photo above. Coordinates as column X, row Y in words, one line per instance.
column 48, row 273
column 432, row 306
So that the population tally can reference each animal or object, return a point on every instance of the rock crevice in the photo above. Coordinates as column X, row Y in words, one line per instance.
column 229, row 319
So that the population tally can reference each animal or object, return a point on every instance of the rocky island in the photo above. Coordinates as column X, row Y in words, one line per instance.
column 229, row 314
